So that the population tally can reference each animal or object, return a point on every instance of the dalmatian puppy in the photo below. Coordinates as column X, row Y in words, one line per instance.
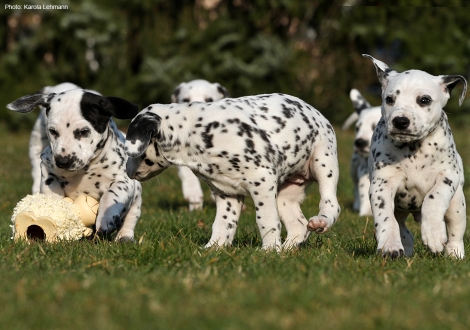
column 38, row 139
column 268, row 146
column 85, row 155
column 198, row 90
column 414, row 165
column 368, row 117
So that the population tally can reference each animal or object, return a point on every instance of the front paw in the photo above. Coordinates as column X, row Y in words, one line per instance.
column 109, row 224
column 392, row 250
column 393, row 254
column 434, row 241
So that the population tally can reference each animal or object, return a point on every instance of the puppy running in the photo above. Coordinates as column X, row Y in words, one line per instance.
column 414, row 165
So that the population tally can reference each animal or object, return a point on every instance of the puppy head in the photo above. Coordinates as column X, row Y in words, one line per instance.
column 145, row 159
column 413, row 100
column 198, row 91
column 368, row 117
column 76, row 123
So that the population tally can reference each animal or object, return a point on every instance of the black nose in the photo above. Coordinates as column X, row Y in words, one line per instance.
column 360, row 143
column 63, row 161
column 401, row 122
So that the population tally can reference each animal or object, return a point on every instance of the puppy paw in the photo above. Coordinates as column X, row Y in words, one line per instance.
column 317, row 224
column 393, row 254
column 195, row 206
column 110, row 224
column 435, row 243
column 455, row 250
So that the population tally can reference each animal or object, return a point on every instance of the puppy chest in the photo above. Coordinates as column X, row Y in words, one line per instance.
column 409, row 198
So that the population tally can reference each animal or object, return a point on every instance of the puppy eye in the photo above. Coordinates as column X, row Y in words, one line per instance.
column 209, row 99
column 85, row 132
column 53, row 132
column 424, row 100
column 390, row 100
column 186, row 100
column 149, row 162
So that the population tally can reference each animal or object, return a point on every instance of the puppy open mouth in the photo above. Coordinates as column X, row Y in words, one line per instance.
column 404, row 137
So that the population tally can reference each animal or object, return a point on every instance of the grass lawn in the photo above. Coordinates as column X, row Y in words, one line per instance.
column 168, row 281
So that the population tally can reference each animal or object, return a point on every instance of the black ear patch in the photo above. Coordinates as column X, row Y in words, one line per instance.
column 222, row 90
column 360, row 104
column 27, row 103
column 143, row 128
column 98, row 109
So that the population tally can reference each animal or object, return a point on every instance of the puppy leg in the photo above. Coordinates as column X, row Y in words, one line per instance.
column 325, row 171
column 112, row 207
column 355, row 179
column 406, row 236
column 226, row 220
column 126, row 232
column 435, row 206
column 289, row 198
column 455, row 218
column 387, row 229
column 192, row 191
column 363, row 189
column 267, row 217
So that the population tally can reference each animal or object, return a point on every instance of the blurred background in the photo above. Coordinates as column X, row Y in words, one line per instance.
column 141, row 49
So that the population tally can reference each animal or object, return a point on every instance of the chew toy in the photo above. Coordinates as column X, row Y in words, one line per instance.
column 51, row 218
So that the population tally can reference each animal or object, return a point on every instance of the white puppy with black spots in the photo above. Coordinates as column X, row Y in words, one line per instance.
column 85, row 155
column 414, row 165
column 198, row 90
column 268, row 146
column 368, row 117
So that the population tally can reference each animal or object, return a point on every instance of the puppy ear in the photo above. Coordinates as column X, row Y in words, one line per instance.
column 176, row 92
column 140, row 133
column 222, row 90
column 383, row 71
column 451, row 81
column 359, row 102
column 27, row 103
column 97, row 109
column 121, row 108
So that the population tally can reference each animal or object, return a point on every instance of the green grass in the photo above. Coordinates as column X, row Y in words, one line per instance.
column 168, row 281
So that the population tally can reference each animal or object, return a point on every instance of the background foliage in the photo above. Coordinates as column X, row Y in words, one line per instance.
column 141, row 49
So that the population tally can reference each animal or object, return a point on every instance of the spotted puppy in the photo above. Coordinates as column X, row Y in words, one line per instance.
column 85, row 155
column 198, row 90
column 414, row 165
column 268, row 146
column 368, row 117
column 38, row 139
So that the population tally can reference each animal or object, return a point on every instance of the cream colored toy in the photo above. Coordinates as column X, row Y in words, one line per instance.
column 51, row 218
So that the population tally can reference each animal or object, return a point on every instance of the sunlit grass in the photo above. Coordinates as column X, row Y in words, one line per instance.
column 168, row 281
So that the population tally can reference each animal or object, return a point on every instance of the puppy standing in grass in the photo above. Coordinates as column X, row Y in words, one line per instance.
column 198, row 90
column 414, row 165
column 268, row 146
column 368, row 117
